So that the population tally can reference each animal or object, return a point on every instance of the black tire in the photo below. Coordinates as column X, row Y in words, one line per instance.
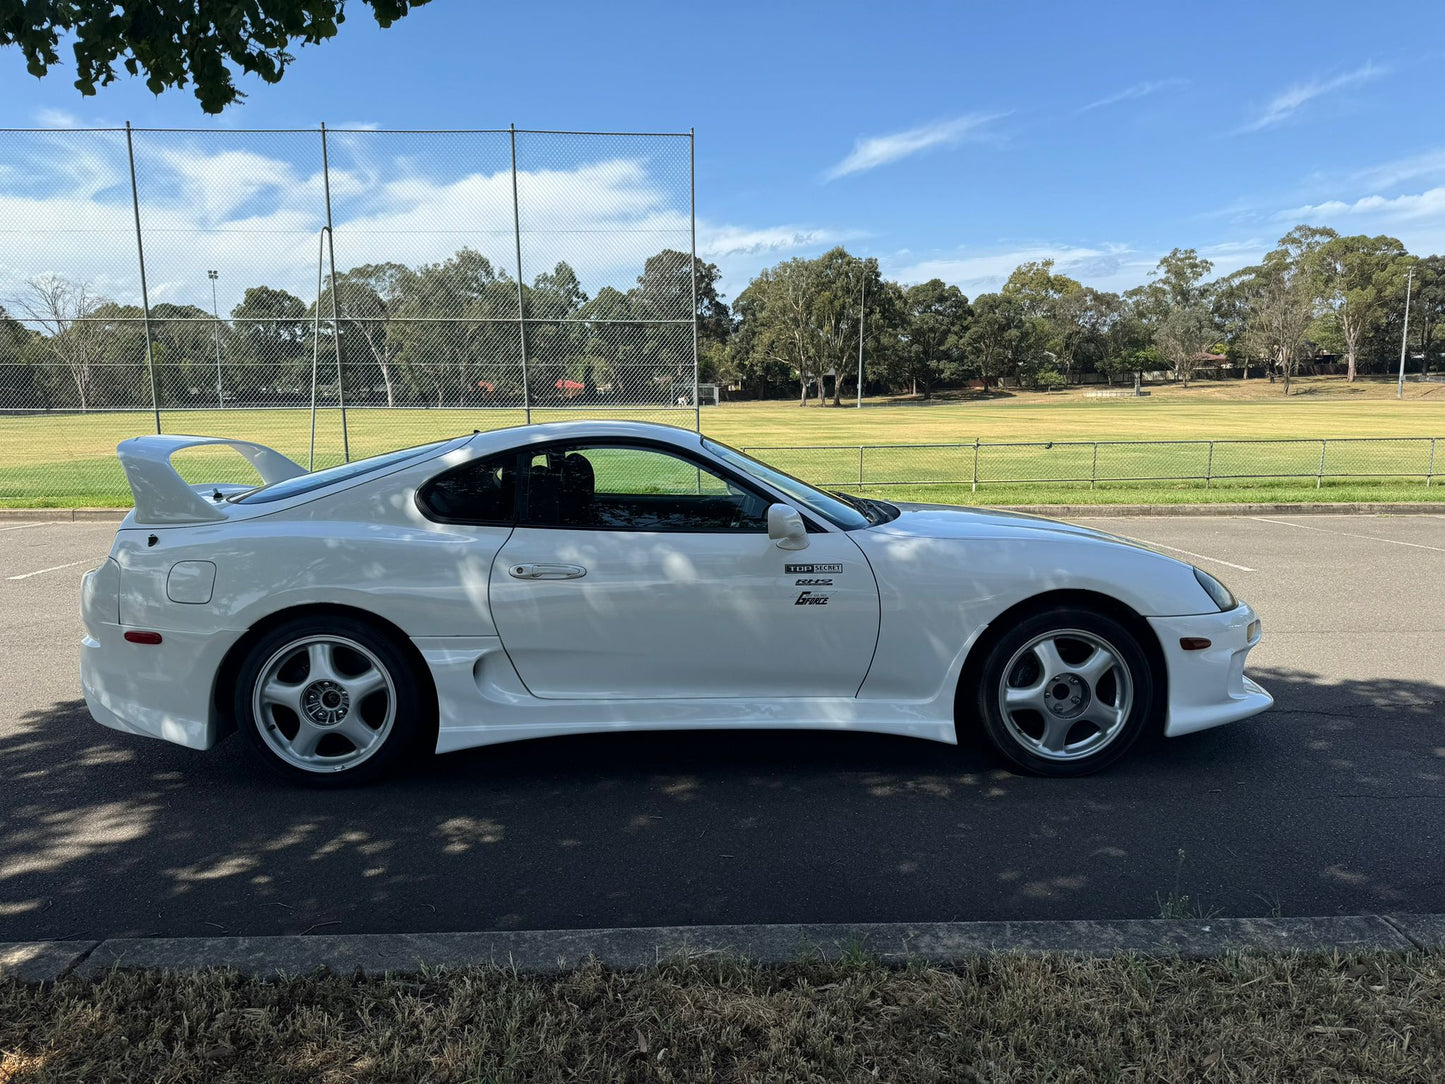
column 1099, row 718
column 383, row 729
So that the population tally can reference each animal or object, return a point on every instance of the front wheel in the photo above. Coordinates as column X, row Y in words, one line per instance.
column 329, row 701
column 1065, row 692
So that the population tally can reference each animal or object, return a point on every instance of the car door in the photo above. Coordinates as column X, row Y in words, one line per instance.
column 638, row 571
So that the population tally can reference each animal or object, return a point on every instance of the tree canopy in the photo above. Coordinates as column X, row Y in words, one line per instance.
column 175, row 43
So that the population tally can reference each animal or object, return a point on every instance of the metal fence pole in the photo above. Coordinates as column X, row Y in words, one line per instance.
column 144, row 294
column 1209, row 466
column 975, row 464
column 521, row 306
column 1094, row 469
column 1430, row 469
column 316, row 339
column 335, row 321
column 692, row 224
column 1320, row 474
column 860, row 466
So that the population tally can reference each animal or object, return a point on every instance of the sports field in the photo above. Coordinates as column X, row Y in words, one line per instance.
column 69, row 460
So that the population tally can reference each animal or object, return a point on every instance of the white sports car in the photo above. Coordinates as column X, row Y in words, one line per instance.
column 597, row 576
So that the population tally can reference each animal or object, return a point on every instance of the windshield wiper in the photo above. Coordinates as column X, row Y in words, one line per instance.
column 868, row 508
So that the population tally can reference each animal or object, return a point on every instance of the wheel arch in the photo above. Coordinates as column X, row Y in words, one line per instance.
column 224, row 688
column 1125, row 614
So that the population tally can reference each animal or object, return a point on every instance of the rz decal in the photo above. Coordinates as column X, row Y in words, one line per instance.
column 811, row 598
column 812, row 570
column 813, row 581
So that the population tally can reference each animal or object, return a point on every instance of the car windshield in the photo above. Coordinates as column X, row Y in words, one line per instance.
column 829, row 507
column 306, row 483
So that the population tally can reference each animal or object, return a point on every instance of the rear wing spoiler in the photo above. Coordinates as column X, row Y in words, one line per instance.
column 163, row 496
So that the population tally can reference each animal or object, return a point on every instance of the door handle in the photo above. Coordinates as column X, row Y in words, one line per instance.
column 547, row 572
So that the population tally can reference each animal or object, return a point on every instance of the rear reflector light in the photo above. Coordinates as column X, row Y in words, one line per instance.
column 1193, row 643
column 143, row 637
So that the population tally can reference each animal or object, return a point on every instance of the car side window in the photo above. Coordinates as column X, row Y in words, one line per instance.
column 634, row 488
column 482, row 491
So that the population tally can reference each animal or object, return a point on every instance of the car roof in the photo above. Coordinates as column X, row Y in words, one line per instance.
column 519, row 436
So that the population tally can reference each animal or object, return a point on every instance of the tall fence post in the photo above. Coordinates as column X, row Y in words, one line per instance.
column 316, row 339
column 692, row 223
column 1320, row 474
column 975, row 464
column 145, row 300
column 1094, row 468
column 335, row 320
column 521, row 304
column 860, row 466
column 1430, row 469
column 1209, row 466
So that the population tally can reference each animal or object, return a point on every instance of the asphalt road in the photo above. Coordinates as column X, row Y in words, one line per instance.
column 1332, row 803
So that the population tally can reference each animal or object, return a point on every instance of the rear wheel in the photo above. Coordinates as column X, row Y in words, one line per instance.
column 1065, row 692
column 329, row 701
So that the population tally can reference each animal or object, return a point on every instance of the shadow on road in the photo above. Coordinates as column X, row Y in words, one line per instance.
column 1332, row 802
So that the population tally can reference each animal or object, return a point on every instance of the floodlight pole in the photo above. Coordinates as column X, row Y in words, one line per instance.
column 216, row 314
column 1404, row 335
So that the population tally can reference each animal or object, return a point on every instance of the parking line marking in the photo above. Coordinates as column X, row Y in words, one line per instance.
column 1196, row 556
column 1351, row 534
column 19, row 527
column 53, row 568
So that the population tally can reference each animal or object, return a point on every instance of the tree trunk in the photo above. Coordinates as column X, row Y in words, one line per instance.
column 1350, row 368
column 822, row 400
column 803, row 398
column 390, row 389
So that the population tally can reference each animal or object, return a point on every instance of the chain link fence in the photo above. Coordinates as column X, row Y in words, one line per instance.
column 160, row 280
column 1108, row 463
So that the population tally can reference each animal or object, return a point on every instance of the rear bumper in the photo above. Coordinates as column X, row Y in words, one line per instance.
column 1208, row 687
column 158, row 691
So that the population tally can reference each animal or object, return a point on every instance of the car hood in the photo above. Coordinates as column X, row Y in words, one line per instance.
column 953, row 521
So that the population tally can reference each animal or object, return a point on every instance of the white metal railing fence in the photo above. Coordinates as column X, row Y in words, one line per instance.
column 1097, row 462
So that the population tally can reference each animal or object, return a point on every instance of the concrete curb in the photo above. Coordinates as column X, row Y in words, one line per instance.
column 551, row 950
column 1056, row 511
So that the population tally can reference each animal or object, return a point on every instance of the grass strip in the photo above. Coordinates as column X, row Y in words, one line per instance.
column 1378, row 1017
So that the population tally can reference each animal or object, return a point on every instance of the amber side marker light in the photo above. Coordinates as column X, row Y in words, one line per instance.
column 1188, row 643
column 136, row 637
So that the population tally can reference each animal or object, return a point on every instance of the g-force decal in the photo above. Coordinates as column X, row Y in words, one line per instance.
column 813, row 581
column 811, row 598
column 811, row 570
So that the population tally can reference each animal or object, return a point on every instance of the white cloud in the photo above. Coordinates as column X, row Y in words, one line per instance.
column 1427, row 204
column 1138, row 90
column 253, row 209
column 1110, row 266
column 880, row 150
column 1388, row 174
column 46, row 117
column 1285, row 104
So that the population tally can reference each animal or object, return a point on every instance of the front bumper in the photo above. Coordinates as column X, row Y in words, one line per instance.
column 1208, row 687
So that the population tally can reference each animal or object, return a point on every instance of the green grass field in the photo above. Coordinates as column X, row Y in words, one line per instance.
column 69, row 460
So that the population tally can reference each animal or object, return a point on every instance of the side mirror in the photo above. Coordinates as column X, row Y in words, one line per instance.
column 785, row 527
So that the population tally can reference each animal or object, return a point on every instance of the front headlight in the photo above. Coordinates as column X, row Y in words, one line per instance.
column 1222, row 596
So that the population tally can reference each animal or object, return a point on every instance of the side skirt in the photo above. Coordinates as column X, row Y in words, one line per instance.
column 482, row 701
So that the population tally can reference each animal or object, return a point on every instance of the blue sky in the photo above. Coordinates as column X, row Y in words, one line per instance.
column 944, row 139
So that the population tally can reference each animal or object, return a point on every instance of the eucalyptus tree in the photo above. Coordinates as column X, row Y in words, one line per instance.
column 1359, row 277
column 1284, row 298
column 936, row 325
column 61, row 309
column 272, row 343
column 367, row 302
